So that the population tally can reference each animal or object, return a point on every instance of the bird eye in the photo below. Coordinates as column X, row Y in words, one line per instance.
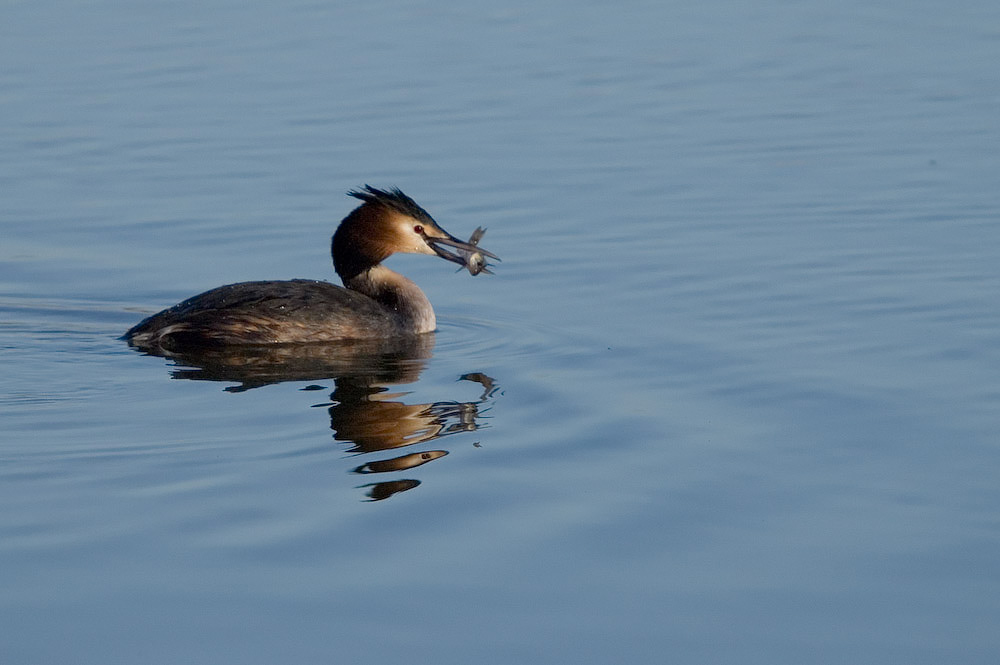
column 418, row 229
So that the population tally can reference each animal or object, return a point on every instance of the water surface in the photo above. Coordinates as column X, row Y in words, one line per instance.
column 732, row 395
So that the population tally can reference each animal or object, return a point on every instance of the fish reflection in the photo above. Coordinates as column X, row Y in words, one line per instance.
column 366, row 410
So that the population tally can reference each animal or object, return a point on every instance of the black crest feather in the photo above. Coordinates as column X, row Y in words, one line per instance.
column 392, row 198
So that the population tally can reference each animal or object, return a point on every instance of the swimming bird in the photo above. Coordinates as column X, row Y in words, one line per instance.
column 375, row 302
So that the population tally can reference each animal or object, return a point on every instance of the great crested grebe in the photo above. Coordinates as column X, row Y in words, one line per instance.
column 376, row 303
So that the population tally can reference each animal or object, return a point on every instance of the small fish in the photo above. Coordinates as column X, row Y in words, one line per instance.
column 475, row 262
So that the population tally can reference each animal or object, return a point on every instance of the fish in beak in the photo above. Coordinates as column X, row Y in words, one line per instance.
column 468, row 254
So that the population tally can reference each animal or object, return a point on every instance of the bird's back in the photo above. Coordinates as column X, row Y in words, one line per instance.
column 292, row 311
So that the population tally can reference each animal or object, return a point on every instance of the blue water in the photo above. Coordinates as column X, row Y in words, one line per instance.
column 732, row 395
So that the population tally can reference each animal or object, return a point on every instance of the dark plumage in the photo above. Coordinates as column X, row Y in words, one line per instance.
column 376, row 302
column 392, row 198
column 292, row 311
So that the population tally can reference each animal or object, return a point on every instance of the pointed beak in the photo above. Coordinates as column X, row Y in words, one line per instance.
column 466, row 251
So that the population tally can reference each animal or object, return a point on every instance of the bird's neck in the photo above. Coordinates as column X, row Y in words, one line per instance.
column 396, row 293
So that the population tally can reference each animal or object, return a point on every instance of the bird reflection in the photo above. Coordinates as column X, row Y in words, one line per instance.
column 366, row 412
column 371, row 361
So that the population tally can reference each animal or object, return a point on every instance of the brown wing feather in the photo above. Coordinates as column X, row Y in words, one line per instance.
column 265, row 313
